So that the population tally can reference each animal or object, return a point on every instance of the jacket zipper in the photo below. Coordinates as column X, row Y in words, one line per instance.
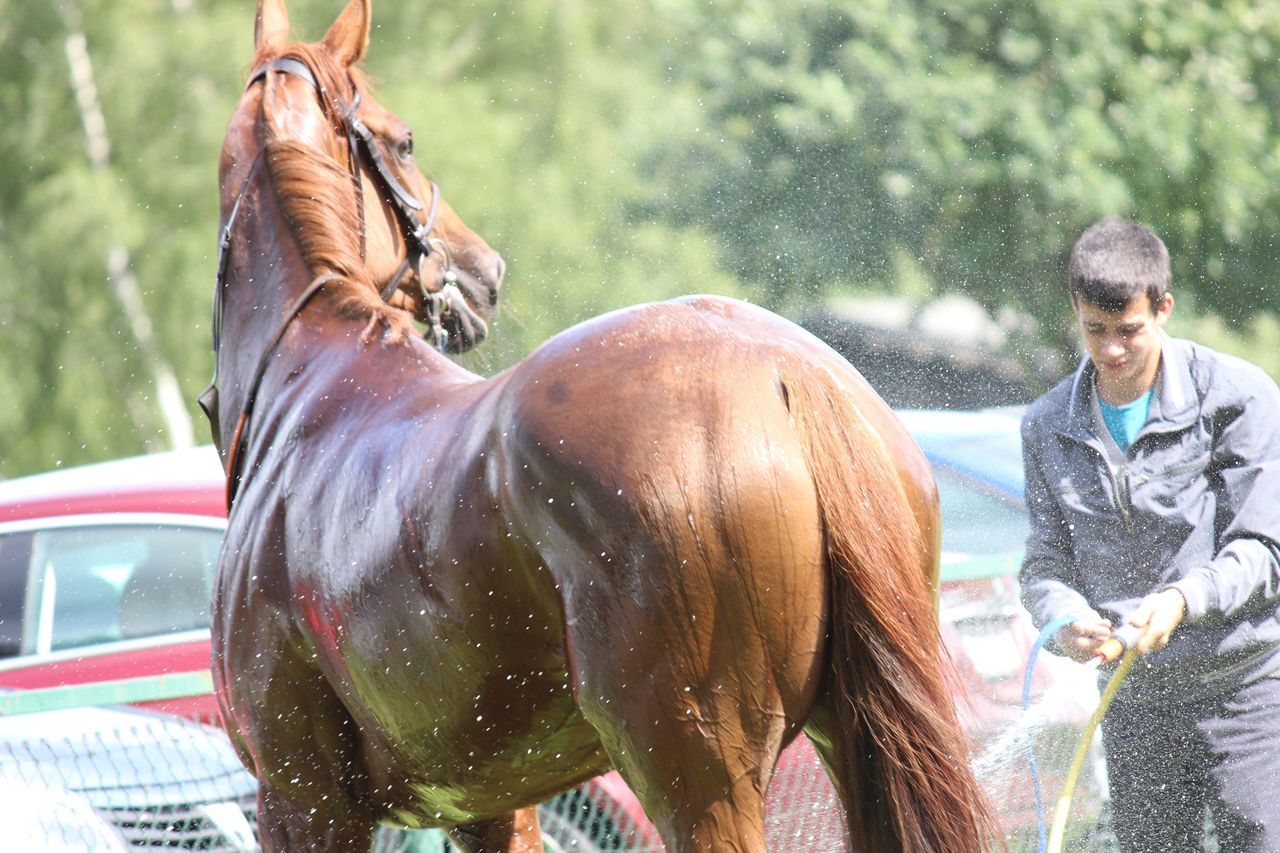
column 1123, row 498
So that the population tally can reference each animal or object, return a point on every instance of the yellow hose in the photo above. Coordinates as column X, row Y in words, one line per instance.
column 1059, row 828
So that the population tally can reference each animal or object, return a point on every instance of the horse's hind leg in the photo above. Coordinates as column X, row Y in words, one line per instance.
column 693, row 687
column 288, row 828
column 698, row 767
column 516, row 832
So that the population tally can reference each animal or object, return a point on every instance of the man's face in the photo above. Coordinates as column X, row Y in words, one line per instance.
column 1124, row 345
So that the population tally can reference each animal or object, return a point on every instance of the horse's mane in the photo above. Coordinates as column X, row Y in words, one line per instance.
column 319, row 199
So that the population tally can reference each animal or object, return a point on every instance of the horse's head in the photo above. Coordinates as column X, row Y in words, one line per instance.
column 344, row 173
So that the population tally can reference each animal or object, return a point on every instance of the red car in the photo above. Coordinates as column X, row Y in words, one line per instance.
column 105, row 573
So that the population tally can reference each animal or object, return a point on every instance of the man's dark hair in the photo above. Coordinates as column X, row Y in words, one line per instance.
column 1115, row 261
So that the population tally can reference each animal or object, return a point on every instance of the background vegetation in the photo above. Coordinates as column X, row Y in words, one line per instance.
column 619, row 152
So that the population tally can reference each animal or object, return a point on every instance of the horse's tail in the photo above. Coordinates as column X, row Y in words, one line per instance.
column 898, row 749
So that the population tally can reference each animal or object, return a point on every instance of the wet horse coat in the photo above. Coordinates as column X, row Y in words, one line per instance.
column 668, row 541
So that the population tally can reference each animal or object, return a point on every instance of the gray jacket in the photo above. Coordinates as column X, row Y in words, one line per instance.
column 1194, row 506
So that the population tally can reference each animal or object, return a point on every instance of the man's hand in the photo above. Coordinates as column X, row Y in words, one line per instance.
column 1157, row 615
column 1080, row 639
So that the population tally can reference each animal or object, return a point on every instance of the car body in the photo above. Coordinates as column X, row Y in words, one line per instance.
column 977, row 463
column 105, row 573
column 108, row 522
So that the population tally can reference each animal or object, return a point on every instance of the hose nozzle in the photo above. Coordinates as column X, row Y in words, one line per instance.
column 1118, row 643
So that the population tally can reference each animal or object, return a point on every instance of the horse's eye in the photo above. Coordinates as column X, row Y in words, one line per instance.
column 405, row 148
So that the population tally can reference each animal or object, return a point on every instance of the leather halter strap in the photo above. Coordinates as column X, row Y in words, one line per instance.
column 417, row 236
column 415, row 231
column 224, row 250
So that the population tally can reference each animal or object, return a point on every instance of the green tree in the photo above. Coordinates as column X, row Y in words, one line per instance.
column 532, row 116
column 861, row 143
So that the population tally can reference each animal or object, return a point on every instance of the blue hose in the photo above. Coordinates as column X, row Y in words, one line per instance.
column 1046, row 633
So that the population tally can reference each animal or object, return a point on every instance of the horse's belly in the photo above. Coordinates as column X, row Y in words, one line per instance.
column 473, row 776
column 474, row 723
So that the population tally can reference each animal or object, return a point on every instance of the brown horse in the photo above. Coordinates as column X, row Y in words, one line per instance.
column 668, row 541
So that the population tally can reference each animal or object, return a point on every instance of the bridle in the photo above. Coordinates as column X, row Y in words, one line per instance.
column 418, row 238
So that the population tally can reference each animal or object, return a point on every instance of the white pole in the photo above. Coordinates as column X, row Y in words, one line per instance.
column 120, row 275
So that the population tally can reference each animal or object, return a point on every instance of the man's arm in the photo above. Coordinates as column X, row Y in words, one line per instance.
column 1048, row 579
column 1246, row 468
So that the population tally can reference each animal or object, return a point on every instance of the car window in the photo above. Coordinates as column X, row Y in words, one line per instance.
column 978, row 519
column 15, row 556
column 96, row 584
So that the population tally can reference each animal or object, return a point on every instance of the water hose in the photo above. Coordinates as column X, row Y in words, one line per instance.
column 1046, row 634
column 1111, row 649
column 1119, row 646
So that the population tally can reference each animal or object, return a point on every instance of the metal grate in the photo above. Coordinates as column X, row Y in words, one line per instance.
column 153, row 781
column 576, row 821
column 203, row 826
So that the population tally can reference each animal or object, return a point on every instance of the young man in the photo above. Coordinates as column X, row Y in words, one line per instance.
column 1153, row 485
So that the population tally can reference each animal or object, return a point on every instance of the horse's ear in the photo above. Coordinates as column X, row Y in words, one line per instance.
column 271, row 28
column 348, row 38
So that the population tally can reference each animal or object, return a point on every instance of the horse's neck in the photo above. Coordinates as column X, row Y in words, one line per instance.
column 318, row 352
column 265, row 277
column 266, row 274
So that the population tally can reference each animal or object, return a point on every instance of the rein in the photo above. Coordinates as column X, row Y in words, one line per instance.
column 417, row 235
column 237, row 438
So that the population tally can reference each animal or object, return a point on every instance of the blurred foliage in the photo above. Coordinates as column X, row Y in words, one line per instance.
column 535, row 149
column 619, row 152
column 977, row 139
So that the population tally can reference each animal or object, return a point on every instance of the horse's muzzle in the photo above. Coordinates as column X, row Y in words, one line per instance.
column 467, row 315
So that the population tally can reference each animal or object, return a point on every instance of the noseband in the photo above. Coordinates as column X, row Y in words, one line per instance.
column 417, row 235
